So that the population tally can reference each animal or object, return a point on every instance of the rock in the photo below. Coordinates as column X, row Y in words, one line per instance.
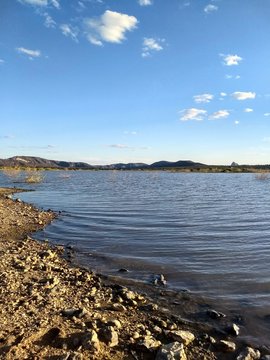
column 123, row 270
column 225, row 346
column 182, row 336
column 91, row 341
column 159, row 280
column 110, row 336
column 115, row 323
column 79, row 313
column 172, row 351
column 233, row 330
column 249, row 354
column 149, row 307
column 118, row 307
column 265, row 357
column 215, row 314
column 148, row 343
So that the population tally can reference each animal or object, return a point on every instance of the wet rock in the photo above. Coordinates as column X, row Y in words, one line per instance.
column 249, row 354
column 109, row 336
column 182, row 336
column 172, row 351
column 225, row 346
column 233, row 330
column 149, row 307
column 123, row 270
column 265, row 357
column 159, row 280
column 213, row 314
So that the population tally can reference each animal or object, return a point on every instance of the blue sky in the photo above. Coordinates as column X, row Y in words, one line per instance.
column 135, row 80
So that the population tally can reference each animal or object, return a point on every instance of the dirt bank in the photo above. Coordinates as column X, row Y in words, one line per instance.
column 52, row 310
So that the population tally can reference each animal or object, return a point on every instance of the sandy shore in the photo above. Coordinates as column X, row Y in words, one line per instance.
column 51, row 309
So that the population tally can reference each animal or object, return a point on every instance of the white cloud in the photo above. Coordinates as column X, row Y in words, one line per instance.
column 110, row 27
column 49, row 22
column 203, row 98
column 31, row 53
column 237, row 122
column 130, row 133
column 242, row 95
column 193, row 114
column 230, row 60
column 248, row 110
column 69, row 31
column 145, row 2
column 210, row 8
column 35, row 2
column 266, row 114
column 151, row 45
column 221, row 114
column 223, row 94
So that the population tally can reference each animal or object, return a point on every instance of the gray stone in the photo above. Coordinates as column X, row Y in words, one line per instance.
column 182, row 336
column 249, row 354
column 172, row 351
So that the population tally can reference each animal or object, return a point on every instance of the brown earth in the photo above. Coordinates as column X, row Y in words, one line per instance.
column 50, row 309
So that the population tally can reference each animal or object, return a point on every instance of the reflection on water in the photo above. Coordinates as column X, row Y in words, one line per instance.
column 206, row 232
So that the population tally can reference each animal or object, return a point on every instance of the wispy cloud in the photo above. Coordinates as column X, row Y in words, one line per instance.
column 7, row 136
column 223, row 94
column 151, row 45
column 109, row 27
column 221, row 114
column 145, row 2
column 203, row 98
column 41, row 3
column 210, row 8
column 2, row 61
column 130, row 132
column 230, row 60
column 237, row 122
column 49, row 22
column 236, row 77
column 69, row 31
column 248, row 110
column 119, row 146
column 266, row 114
column 30, row 53
column 193, row 114
column 242, row 95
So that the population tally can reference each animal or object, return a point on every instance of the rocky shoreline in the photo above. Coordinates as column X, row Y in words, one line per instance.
column 51, row 309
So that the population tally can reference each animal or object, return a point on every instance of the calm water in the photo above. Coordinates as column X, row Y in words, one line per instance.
column 209, row 233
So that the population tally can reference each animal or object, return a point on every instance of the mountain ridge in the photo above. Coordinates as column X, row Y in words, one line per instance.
column 38, row 162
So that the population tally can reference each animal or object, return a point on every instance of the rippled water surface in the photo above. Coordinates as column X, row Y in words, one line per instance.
column 209, row 233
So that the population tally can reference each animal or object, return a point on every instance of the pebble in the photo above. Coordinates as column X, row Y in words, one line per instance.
column 233, row 330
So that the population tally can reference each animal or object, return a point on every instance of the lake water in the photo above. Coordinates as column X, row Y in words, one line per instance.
column 209, row 233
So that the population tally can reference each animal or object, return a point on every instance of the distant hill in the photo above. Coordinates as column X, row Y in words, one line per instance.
column 37, row 162
column 177, row 164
